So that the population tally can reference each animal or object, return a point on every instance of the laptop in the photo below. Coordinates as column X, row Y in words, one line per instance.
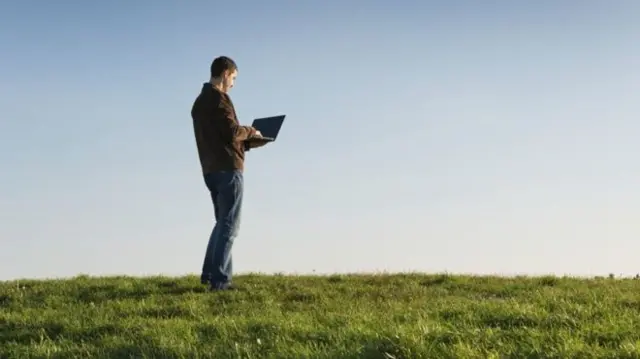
column 269, row 127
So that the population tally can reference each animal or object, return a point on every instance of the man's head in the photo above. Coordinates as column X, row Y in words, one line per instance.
column 223, row 73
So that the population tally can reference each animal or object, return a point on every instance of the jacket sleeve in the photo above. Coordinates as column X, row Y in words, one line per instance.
column 229, row 127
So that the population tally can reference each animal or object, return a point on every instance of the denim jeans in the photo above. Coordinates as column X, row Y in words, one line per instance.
column 226, row 188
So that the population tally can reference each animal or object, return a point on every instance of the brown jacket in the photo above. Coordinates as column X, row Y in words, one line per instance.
column 219, row 136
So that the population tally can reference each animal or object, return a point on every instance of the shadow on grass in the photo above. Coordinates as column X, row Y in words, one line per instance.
column 5, row 300
column 120, row 351
column 26, row 334
column 29, row 333
column 109, row 292
column 436, row 280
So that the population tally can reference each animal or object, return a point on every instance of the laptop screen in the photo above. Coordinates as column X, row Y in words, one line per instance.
column 269, row 126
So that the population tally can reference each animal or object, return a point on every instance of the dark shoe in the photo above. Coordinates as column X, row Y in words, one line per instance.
column 205, row 279
column 222, row 287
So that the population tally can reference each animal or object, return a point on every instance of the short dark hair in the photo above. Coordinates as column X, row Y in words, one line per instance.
column 222, row 64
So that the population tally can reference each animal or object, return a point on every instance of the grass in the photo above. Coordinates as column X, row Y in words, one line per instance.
column 351, row 316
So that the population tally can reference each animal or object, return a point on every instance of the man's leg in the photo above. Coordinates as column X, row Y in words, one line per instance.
column 230, row 188
column 205, row 277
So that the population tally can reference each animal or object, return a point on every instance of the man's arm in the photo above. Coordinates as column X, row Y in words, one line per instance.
column 230, row 129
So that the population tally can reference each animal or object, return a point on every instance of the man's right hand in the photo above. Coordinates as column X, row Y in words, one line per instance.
column 255, row 144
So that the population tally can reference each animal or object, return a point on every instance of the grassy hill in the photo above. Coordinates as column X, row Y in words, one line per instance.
column 372, row 316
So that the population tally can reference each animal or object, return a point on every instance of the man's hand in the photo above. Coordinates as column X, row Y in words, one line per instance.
column 256, row 144
column 249, row 144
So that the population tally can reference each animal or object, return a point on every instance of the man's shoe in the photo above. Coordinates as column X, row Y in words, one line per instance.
column 222, row 287
column 205, row 279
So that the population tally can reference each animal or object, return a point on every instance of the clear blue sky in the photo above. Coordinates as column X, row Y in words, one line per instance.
column 461, row 136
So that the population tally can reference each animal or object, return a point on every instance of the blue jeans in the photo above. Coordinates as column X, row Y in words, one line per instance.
column 226, row 188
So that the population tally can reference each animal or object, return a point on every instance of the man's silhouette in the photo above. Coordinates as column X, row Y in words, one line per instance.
column 221, row 143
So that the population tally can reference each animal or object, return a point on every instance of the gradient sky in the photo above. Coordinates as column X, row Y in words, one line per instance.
column 486, row 137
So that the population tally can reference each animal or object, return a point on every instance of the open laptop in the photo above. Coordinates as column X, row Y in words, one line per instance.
column 269, row 127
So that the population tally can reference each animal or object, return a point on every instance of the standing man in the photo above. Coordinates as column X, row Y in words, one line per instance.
column 221, row 143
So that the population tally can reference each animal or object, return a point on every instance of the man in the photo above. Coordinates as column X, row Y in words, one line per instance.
column 221, row 143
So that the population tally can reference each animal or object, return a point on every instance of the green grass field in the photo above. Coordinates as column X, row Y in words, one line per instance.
column 355, row 316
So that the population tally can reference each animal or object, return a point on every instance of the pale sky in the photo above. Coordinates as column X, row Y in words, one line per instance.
column 481, row 137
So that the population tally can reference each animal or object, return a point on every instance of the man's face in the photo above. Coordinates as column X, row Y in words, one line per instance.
column 228, row 80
